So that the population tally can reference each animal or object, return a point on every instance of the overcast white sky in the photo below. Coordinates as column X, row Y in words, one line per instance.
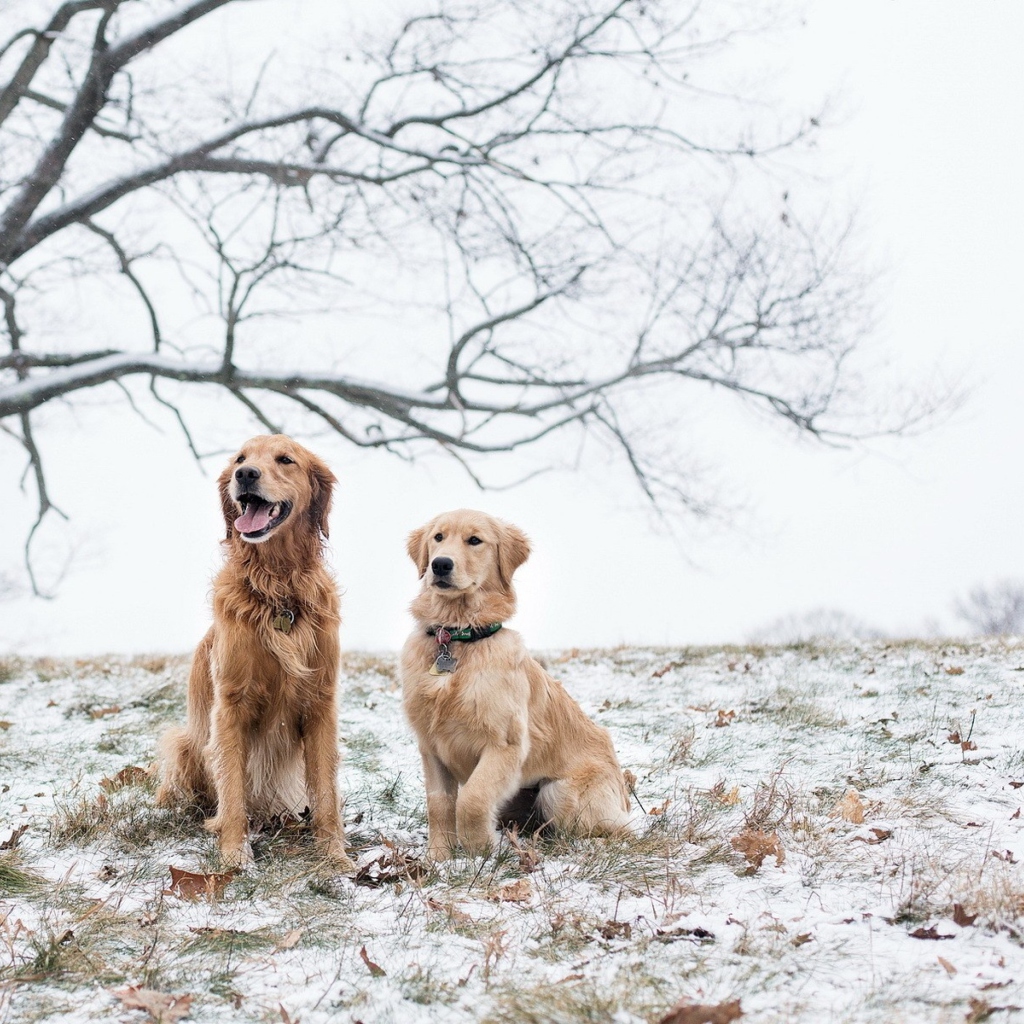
column 931, row 148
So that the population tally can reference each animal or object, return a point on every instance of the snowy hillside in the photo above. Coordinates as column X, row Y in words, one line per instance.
column 829, row 834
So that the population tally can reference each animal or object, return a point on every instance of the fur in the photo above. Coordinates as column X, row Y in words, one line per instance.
column 498, row 724
column 261, row 736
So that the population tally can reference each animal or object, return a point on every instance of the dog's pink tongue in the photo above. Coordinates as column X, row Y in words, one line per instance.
column 253, row 519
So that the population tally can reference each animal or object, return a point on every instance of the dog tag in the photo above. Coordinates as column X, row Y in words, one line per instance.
column 283, row 621
column 444, row 663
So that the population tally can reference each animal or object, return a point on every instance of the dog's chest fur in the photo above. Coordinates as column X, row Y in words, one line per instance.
column 459, row 714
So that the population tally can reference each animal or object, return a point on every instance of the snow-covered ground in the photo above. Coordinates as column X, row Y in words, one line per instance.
column 828, row 834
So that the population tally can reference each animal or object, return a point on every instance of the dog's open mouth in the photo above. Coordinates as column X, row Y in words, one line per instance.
column 260, row 516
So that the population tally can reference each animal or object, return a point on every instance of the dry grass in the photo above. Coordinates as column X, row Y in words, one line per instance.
column 550, row 928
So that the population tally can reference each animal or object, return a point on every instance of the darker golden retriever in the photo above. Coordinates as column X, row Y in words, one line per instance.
column 490, row 722
column 261, row 737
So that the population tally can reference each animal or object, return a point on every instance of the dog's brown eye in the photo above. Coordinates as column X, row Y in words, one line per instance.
column 474, row 541
column 241, row 458
column 439, row 537
column 284, row 460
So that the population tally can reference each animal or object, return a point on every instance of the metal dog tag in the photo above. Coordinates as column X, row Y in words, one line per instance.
column 444, row 663
column 283, row 621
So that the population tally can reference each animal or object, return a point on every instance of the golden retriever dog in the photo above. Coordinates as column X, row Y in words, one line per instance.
column 261, row 738
column 490, row 722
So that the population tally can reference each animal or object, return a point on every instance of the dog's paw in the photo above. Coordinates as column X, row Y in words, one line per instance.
column 437, row 851
column 334, row 851
column 238, row 858
column 479, row 841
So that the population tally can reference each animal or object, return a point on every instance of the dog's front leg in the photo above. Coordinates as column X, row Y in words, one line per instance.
column 494, row 780
column 228, row 748
column 320, row 740
column 442, row 790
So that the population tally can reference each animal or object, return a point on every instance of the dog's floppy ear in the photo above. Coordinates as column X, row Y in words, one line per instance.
column 321, row 485
column 513, row 550
column 417, row 547
column 228, row 508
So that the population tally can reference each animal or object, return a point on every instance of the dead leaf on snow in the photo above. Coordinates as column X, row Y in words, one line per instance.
column 724, row 718
column 5, row 725
column 880, row 836
column 662, row 809
column 131, row 775
column 12, row 842
column 192, row 885
column 616, row 930
column 928, row 933
column 162, row 1007
column 518, row 891
column 801, row 939
column 755, row 845
column 1006, row 857
column 375, row 969
column 947, row 966
column 961, row 917
column 456, row 915
column 391, row 865
column 703, row 1013
column 954, row 670
column 850, row 808
column 114, row 709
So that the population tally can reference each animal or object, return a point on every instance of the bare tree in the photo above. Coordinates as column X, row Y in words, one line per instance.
column 485, row 226
column 994, row 610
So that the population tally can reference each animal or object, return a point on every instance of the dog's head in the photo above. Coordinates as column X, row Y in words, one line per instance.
column 274, row 484
column 465, row 551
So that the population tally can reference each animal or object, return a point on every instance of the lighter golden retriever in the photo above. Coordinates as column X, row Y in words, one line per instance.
column 261, row 737
column 490, row 721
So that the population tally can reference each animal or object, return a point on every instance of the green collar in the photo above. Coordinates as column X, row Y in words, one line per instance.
column 446, row 634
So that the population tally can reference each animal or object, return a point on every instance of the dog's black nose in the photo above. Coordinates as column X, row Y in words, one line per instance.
column 247, row 474
column 442, row 566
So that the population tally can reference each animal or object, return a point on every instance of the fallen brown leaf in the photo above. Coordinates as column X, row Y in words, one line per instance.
column 947, row 966
column 454, row 913
column 518, row 891
column 114, row 709
column 5, row 725
column 12, row 842
column 954, row 670
column 755, row 845
column 131, row 775
column 391, row 866
column 662, row 809
column 375, row 969
column 703, row 1013
column 961, row 917
column 724, row 718
column 801, row 939
column 616, row 930
column 286, row 1017
column 881, row 834
column 1007, row 857
column 850, row 808
column 162, row 1007
column 192, row 885
column 928, row 933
